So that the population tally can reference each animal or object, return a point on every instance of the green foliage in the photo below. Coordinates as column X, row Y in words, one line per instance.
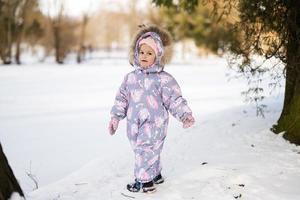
column 244, row 28
column 207, row 30
column 268, row 28
column 187, row 5
column 260, row 28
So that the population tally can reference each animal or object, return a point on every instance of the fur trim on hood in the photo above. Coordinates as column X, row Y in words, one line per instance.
column 165, row 37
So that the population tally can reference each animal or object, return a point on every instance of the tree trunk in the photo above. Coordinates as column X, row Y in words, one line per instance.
column 8, row 182
column 20, row 30
column 82, row 49
column 289, row 121
column 18, row 44
column 57, row 47
column 8, row 47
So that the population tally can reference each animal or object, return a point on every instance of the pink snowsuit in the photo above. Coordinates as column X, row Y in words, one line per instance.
column 145, row 97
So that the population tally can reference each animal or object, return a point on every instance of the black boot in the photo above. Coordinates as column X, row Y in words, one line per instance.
column 141, row 187
column 158, row 179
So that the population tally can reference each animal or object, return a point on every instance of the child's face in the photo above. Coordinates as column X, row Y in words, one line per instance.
column 146, row 56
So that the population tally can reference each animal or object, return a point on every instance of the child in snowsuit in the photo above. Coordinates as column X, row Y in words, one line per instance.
column 146, row 96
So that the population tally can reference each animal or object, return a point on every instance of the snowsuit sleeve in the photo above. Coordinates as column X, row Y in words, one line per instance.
column 172, row 98
column 120, row 106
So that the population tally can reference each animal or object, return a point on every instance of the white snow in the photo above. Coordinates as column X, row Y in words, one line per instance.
column 16, row 196
column 53, row 124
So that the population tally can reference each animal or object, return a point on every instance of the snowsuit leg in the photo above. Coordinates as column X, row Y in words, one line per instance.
column 147, row 142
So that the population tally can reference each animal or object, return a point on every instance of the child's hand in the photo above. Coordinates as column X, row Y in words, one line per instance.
column 113, row 125
column 188, row 121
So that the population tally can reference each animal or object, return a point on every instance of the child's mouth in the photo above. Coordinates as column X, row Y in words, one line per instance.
column 144, row 61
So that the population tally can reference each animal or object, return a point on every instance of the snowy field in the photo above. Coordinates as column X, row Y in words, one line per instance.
column 53, row 124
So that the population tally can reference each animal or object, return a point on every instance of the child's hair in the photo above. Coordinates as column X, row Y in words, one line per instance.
column 165, row 37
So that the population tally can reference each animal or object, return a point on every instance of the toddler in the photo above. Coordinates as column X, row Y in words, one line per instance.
column 145, row 97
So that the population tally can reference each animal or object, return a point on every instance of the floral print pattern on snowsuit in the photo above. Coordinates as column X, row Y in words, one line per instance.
column 145, row 97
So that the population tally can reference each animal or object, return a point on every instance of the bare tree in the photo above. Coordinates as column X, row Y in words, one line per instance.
column 21, row 18
column 56, row 25
column 63, row 28
column 134, row 17
column 14, row 23
column 8, row 9
column 82, row 46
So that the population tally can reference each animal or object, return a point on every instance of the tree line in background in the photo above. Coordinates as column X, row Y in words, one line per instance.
column 25, row 27
column 20, row 20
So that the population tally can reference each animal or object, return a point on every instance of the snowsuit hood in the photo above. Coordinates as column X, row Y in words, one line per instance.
column 163, row 41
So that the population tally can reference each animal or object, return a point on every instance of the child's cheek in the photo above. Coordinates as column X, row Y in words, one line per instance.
column 152, row 60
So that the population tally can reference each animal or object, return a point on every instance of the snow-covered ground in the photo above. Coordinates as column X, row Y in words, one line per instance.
column 53, row 123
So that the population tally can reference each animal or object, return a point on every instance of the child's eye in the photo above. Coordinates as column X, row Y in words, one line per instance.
column 149, row 54
column 141, row 52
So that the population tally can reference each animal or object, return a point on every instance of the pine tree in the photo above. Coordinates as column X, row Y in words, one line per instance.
column 270, row 28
